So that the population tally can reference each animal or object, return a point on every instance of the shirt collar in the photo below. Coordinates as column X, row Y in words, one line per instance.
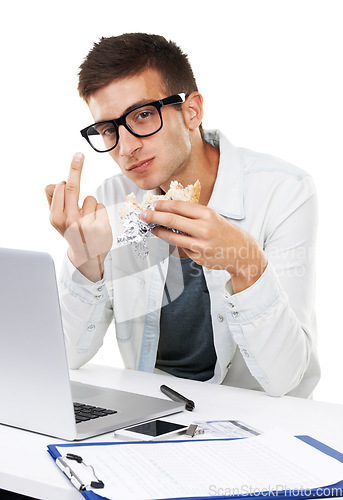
column 228, row 192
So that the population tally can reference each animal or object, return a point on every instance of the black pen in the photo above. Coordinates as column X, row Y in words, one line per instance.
column 175, row 396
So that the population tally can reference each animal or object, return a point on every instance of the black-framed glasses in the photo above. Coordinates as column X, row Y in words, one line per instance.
column 142, row 121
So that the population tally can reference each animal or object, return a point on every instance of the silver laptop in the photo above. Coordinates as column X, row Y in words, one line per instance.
column 35, row 391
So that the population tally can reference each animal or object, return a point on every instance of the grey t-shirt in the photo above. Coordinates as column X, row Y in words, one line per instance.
column 186, row 346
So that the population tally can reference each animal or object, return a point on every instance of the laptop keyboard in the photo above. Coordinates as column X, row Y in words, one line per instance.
column 88, row 412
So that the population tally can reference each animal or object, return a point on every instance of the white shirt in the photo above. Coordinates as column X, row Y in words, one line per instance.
column 264, row 336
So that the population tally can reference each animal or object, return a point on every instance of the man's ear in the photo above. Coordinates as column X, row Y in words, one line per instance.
column 192, row 110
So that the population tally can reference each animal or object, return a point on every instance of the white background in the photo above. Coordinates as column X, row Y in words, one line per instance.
column 271, row 74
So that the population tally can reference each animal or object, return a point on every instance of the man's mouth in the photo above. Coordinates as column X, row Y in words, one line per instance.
column 139, row 167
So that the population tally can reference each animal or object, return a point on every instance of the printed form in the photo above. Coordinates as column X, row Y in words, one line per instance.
column 273, row 461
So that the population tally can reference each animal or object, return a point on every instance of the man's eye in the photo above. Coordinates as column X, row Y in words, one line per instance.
column 106, row 132
column 144, row 115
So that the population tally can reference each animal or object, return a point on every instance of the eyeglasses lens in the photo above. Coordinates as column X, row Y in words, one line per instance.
column 143, row 121
column 102, row 136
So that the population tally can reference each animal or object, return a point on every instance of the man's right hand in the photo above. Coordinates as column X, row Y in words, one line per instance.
column 86, row 229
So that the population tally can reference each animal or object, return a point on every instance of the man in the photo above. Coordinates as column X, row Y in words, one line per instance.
column 245, row 316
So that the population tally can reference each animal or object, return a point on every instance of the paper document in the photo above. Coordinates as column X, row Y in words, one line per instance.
column 227, row 429
column 274, row 461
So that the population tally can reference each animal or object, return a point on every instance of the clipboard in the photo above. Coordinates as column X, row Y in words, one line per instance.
column 335, row 490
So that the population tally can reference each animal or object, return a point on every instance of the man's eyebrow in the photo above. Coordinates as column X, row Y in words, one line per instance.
column 137, row 104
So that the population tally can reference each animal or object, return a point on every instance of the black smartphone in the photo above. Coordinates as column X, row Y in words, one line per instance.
column 156, row 429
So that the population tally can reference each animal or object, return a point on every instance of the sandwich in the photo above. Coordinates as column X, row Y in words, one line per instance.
column 191, row 193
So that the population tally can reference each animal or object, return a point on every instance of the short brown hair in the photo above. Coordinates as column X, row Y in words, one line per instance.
column 129, row 54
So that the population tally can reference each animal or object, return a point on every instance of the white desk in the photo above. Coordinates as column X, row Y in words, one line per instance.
column 27, row 468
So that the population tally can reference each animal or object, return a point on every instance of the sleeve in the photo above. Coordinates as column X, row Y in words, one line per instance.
column 87, row 312
column 273, row 321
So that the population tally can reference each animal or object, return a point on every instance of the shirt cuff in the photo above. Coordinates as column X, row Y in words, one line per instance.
column 80, row 286
column 245, row 306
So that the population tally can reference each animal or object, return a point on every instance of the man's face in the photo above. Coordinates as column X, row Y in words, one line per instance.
column 148, row 161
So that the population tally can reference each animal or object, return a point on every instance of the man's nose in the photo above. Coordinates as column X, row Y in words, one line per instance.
column 128, row 143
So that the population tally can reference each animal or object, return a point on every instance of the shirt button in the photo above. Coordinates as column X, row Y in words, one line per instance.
column 235, row 314
column 91, row 327
column 100, row 288
column 220, row 318
column 98, row 297
column 245, row 352
column 231, row 304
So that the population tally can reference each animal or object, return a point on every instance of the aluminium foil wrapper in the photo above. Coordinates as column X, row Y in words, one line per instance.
column 136, row 232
